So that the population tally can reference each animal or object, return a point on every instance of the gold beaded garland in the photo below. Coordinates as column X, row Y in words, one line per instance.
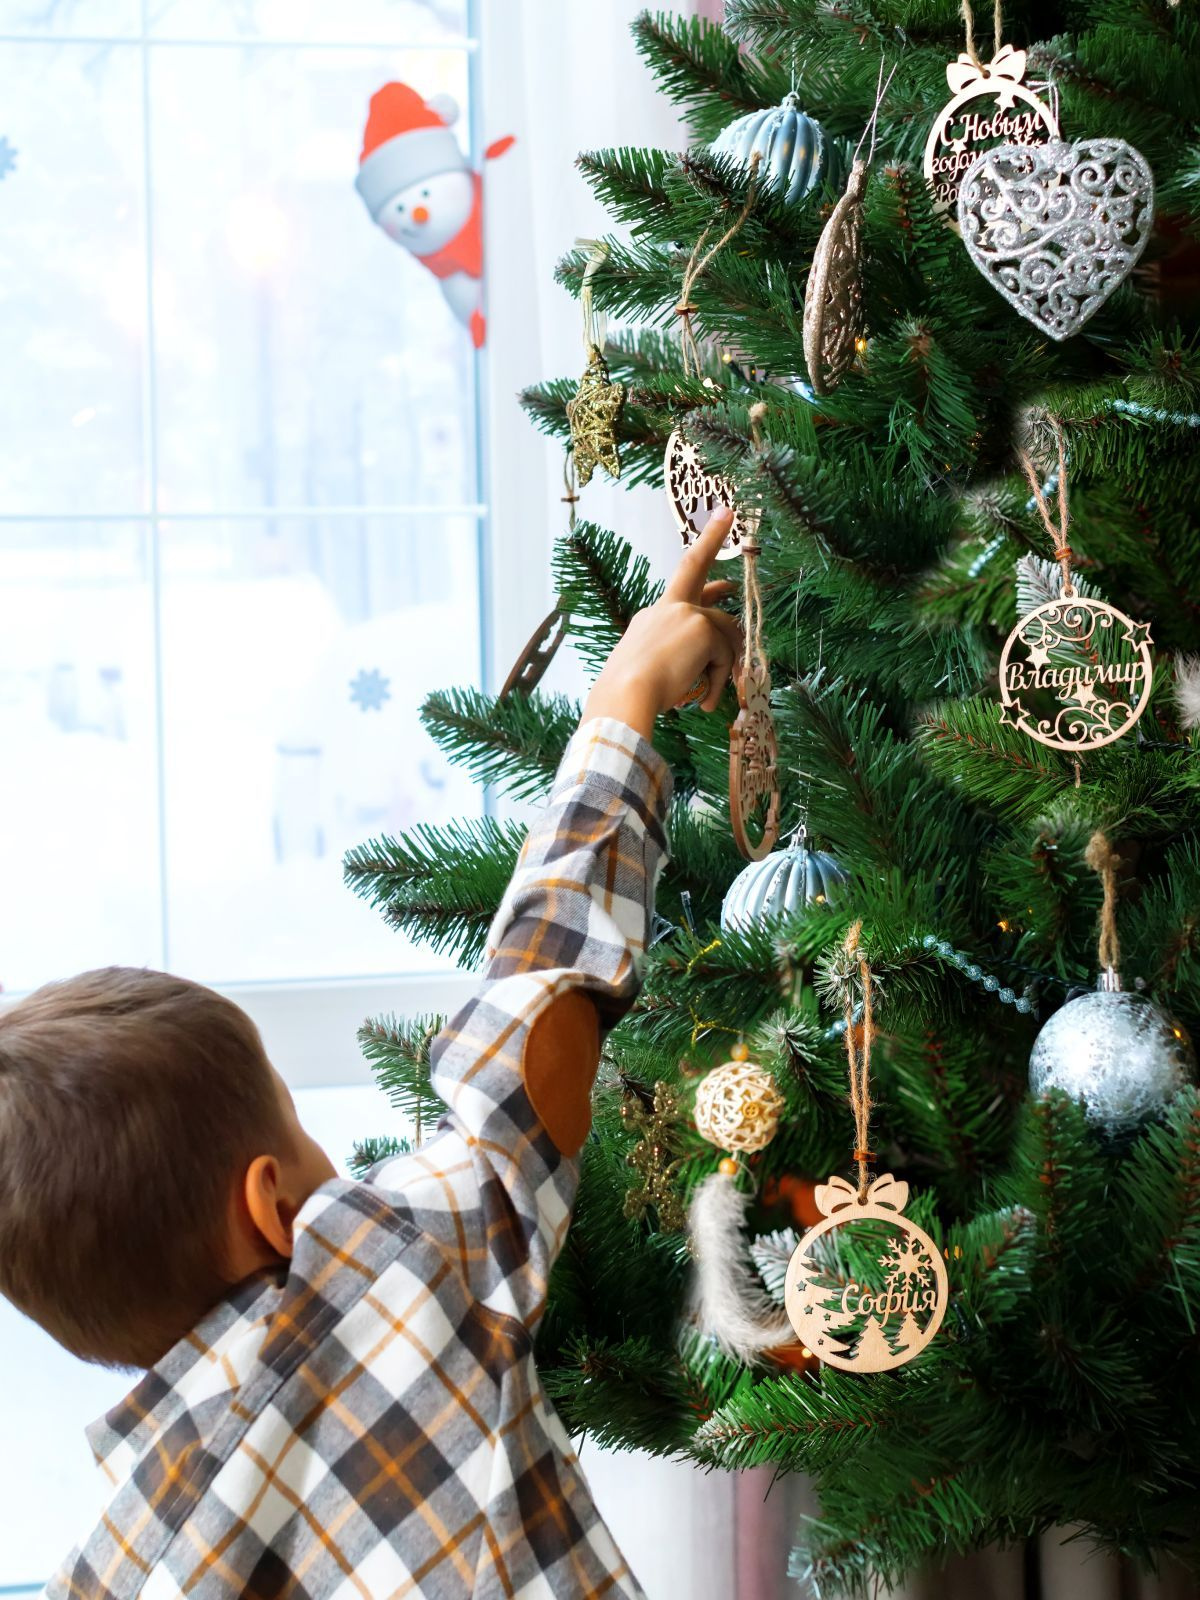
column 737, row 1104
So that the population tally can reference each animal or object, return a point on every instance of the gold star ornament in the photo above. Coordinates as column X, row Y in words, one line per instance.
column 593, row 415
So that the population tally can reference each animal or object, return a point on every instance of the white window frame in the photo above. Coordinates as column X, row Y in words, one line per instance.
column 310, row 1026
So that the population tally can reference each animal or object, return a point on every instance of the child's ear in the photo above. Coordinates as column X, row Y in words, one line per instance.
column 271, row 1211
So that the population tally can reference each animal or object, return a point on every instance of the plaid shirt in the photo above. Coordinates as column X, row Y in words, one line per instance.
column 368, row 1422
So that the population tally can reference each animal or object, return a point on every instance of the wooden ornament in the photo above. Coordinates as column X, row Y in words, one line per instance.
column 529, row 668
column 753, row 767
column 963, row 130
column 694, row 493
column 833, row 313
column 738, row 1107
column 866, row 1289
column 1076, row 673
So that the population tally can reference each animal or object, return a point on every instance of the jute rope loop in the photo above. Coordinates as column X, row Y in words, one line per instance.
column 698, row 263
column 1106, row 863
column 858, row 1053
column 1056, row 530
column 997, row 27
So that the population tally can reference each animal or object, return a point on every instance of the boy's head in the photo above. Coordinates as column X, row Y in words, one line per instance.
column 150, row 1157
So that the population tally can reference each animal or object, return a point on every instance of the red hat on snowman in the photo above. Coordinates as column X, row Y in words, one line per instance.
column 407, row 138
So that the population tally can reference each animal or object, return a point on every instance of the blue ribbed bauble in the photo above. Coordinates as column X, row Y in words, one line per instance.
column 797, row 154
column 781, row 883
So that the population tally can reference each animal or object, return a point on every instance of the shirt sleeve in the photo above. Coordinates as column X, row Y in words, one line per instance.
column 564, row 956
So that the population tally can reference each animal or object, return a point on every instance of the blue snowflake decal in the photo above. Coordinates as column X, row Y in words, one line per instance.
column 8, row 158
column 369, row 690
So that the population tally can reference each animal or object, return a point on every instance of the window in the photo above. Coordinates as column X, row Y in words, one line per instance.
column 240, row 510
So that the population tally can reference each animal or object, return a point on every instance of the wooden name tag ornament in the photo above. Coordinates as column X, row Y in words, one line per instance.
column 694, row 493
column 964, row 128
column 1076, row 673
column 866, row 1289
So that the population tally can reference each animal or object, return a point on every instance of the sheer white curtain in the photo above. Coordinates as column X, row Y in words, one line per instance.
column 566, row 78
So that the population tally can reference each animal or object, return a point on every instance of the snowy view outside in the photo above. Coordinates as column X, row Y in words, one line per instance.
column 238, row 486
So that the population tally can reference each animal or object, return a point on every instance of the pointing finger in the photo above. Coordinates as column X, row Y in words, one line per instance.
column 687, row 581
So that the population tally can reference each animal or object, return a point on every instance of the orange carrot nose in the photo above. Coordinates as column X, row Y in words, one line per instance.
column 420, row 213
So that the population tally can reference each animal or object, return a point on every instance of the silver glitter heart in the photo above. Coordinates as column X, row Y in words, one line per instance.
column 1056, row 227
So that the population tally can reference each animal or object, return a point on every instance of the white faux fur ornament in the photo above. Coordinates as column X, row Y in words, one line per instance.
column 728, row 1301
column 1187, row 691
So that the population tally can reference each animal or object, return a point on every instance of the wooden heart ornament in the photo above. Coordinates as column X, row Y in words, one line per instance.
column 1056, row 227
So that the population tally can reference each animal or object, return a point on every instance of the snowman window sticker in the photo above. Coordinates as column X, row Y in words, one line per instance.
column 420, row 189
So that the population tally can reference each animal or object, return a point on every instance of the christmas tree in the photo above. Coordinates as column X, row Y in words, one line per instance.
column 1063, row 1387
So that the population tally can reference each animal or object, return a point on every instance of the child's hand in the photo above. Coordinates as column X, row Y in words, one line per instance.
column 673, row 643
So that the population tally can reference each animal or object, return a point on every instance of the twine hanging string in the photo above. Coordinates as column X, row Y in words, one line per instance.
column 754, row 655
column 698, row 263
column 858, row 1053
column 997, row 29
column 595, row 326
column 570, row 496
column 1056, row 530
column 1105, row 862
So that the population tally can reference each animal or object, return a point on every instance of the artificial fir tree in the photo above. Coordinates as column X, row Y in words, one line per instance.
column 1064, row 1386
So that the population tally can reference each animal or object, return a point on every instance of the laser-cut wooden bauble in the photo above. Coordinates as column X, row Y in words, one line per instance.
column 529, row 668
column 693, row 493
column 873, row 1298
column 833, row 311
column 738, row 1107
column 1076, row 673
column 962, row 131
column 753, row 767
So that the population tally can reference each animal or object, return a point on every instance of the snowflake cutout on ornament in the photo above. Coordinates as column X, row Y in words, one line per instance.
column 905, row 1263
column 8, row 158
column 369, row 690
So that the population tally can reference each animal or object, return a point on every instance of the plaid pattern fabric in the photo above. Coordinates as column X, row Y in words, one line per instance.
column 368, row 1422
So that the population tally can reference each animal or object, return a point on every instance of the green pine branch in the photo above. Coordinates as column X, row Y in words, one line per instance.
column 514, row 743
column 440, row 885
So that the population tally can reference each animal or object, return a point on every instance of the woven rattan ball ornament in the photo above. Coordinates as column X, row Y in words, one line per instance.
column 737, row 1105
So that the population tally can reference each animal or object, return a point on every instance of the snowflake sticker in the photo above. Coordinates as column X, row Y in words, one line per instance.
column 8, row 158
column 369, row 690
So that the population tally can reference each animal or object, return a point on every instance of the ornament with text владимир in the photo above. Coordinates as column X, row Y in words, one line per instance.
column 965, row 128
column 866, row 1289
column 1076, row 673
column 1056, row 227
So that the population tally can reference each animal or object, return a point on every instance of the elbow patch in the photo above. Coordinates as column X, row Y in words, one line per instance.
column 562, row 1053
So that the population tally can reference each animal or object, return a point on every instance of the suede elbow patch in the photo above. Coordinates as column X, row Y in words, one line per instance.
column 562, row 1053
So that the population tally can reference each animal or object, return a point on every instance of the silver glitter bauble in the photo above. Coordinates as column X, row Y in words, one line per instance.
column 796, row 154
column 1120, row 1054
column 1056, row 227
column 781, row 883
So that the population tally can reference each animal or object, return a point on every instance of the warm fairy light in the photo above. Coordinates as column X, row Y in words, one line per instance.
column 1004, row 925
column 860, row 344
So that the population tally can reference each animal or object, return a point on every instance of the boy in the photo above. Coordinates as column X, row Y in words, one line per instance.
column 341, row 1399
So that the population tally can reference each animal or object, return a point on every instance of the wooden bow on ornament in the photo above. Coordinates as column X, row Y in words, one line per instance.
column 837, row 1194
